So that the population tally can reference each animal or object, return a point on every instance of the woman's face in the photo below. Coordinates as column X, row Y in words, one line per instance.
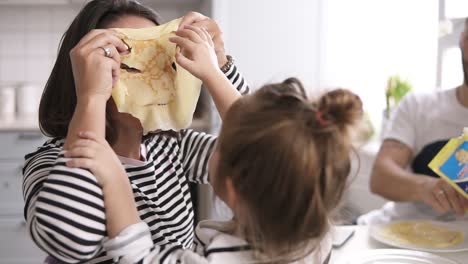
column 129, row 21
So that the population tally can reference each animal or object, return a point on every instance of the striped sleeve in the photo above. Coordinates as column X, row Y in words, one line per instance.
column 237, row 80
column 64, row 207
column 197, row 147
column 133, row 245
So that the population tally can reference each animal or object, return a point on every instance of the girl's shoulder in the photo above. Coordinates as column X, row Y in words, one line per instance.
column 218, row 241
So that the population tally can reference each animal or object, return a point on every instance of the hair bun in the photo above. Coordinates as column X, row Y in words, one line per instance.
column 341, row 106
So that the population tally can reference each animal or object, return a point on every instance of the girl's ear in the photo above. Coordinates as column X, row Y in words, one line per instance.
column 230, row 195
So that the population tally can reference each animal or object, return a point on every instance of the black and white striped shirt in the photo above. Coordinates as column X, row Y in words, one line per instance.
column 64, row 206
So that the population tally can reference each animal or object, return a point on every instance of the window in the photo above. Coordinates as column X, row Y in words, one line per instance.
column 455, row 9
column 451, row 71
column 364, row 42
column 452, row 15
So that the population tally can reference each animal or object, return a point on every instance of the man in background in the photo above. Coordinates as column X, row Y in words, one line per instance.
column 418, row 129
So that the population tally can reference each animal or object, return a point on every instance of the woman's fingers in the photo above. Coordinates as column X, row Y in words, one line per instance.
column 113, row 53
column 104, row 45
column 115, row 71
column 93, row 33
column 104, row 38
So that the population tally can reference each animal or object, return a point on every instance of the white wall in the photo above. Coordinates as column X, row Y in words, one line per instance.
column 30, row 35
column 366, row 41
column 272, row 39
column 334, row 43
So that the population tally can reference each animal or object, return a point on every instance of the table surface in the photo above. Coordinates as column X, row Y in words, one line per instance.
column 362, row 241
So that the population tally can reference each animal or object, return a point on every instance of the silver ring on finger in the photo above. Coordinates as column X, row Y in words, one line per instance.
column 107, row 52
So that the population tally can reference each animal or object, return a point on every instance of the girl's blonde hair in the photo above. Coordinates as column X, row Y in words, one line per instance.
column 288, row 159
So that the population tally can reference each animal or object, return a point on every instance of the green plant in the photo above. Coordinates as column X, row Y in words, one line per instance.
column 397, row 88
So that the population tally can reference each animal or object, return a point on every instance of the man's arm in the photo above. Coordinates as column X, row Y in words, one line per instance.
column 390, row 178
column 393, row 181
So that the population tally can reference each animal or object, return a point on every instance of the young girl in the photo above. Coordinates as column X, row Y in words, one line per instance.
column 281, row 164
column 64, row 205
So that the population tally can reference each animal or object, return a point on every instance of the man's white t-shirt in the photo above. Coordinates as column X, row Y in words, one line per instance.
column 423, row 122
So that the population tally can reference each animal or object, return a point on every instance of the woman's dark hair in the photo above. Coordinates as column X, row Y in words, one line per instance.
column 58, row 100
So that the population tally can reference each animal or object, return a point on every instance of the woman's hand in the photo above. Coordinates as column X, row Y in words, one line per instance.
column 93, row 71
column 94, row 153
column 200, row 58
column 201, row 21
column 442, row 197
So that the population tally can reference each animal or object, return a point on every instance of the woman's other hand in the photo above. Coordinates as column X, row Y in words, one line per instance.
column 210, row 25
column 94, row 153
column 198, row 55
column 94, row 71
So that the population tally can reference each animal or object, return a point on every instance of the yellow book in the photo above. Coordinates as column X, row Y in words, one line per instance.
column 451, row 163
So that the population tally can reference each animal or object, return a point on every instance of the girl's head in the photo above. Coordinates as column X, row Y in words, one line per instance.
column 282, row 163
column 59, row 98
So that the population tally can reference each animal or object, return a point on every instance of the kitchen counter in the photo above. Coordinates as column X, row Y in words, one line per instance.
column 27, row 123
column 30, row 123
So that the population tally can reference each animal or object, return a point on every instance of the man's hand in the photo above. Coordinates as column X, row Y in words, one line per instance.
column 442, row 197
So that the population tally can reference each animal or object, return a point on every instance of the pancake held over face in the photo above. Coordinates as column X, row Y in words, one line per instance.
column 424, row 234
column 152, row 87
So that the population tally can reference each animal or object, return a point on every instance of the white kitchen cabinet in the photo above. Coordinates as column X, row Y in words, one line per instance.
column 33, row 2
column 16, row 247
column 15, row 144
column 154, row 2
column 11, row 199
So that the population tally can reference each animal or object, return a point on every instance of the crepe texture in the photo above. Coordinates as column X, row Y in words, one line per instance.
column 424, row 234
column 152, row 87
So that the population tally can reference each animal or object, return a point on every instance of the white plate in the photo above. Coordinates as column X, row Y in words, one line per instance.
column 395, row 256
column 458, row 226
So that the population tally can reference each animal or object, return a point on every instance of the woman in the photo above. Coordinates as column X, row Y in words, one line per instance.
column 281, row 164
column 64, row 202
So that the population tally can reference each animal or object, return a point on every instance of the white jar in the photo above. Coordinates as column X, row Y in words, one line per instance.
column 27, row 100
column 7, row 103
